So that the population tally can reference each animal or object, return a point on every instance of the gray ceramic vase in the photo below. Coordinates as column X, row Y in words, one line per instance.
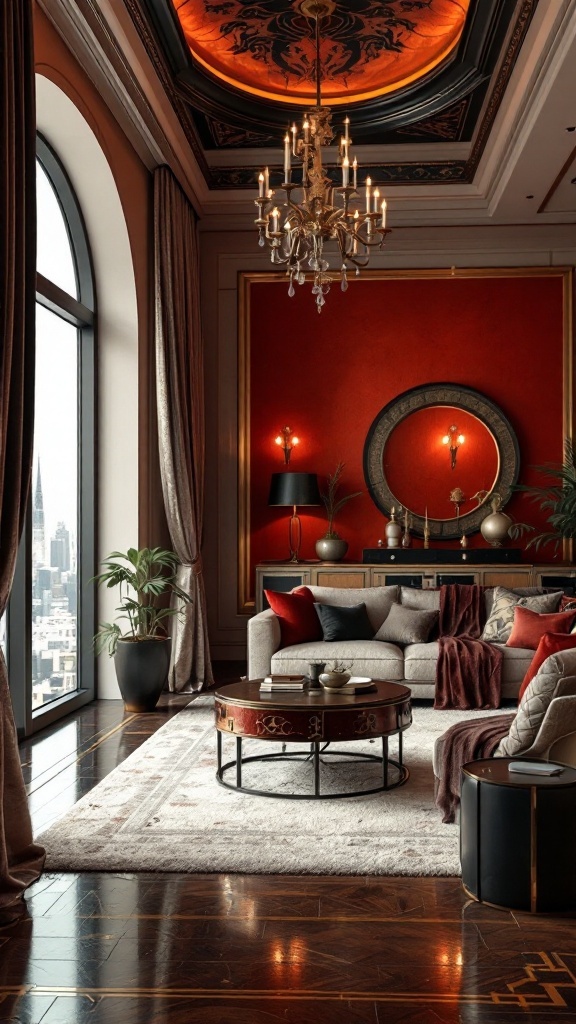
column 331, row 549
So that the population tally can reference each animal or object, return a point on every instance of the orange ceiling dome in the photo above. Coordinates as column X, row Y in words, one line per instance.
column 369, row 47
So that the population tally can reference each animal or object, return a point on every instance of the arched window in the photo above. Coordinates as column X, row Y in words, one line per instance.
column 51, row 612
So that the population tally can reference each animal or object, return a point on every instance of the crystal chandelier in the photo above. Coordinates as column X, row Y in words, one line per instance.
column 297, row 231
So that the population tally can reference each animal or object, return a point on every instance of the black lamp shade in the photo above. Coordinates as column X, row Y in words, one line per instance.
column 294, row 489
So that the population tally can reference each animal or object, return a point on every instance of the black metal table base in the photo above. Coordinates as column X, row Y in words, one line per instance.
column 314, row 753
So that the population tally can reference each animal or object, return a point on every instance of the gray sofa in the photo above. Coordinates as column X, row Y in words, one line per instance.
column 413, row 664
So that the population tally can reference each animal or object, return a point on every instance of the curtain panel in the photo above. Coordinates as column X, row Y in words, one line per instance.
column 180, row 393
column 20, row 859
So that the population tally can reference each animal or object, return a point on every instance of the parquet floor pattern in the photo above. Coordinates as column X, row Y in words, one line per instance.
column 236, row 949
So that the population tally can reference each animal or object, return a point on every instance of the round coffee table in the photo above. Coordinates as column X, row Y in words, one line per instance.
column 313, row 717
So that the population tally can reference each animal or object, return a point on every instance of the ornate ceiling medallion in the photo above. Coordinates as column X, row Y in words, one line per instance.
column 369, row 47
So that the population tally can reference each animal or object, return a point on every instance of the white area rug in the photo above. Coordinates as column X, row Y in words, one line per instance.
column 163, row 810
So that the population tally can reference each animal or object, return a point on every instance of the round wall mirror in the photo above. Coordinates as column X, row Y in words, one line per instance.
column 439, row 450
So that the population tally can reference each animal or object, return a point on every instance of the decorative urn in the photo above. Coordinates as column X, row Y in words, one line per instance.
column 494, row 528
column 331, row 549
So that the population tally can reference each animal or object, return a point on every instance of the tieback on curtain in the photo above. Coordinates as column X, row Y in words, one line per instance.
column 196, row 566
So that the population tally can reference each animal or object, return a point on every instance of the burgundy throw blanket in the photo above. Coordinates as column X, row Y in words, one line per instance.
column 468, row 670
column 466, row 741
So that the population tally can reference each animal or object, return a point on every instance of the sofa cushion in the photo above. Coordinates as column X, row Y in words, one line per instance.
column 420, row 600
column 420, row 662
column 378, row 600
column 549, row 644
column 519, row 591
column 549, row 682
column 406, row 626
column 340, row 623
column 499, row 623
column 528, row 626
column 365, row 657
column 296, row 614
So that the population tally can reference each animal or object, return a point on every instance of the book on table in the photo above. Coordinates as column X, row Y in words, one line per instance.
column 275, row 682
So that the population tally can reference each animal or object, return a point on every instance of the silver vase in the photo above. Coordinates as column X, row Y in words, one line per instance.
column 494, row 528
column 331, row 549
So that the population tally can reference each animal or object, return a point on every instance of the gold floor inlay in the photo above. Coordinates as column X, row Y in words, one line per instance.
column 541, row 987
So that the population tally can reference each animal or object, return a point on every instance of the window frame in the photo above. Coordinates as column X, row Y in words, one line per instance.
column 80, row 312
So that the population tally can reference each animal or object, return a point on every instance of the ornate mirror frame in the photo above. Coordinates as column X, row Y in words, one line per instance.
column 423, row 397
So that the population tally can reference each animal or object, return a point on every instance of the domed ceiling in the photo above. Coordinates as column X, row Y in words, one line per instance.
column 408, row 72
column 368, row 48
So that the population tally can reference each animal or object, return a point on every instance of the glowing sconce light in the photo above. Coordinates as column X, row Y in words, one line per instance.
column 286, row 440
column 454, row 440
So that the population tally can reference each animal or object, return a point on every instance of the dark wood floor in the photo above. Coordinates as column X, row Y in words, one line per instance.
column 218, row 949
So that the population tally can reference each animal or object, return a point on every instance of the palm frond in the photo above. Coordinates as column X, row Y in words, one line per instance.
column 557, row 500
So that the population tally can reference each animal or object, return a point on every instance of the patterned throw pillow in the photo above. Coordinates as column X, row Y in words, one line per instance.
column 546, row 684
column 500, row 621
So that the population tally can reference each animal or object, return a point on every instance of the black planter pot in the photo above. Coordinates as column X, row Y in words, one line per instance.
column 142, row 670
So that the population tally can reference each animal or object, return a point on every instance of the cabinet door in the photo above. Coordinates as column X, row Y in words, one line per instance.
column 354, row 578
column 399, row 579
column 558, row 581
column 510, row 579
column 283, row 581
column 445, row 578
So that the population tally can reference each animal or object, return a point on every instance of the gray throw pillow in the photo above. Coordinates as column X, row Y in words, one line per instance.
column 341, row 623
column 501, row 619
column 406, row 626
column 420, row 600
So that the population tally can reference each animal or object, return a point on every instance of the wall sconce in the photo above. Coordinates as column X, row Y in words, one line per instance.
column 454, row 441
column 286, row 440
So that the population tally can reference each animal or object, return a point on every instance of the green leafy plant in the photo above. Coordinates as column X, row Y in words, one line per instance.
column 332, row 502
column 144, row 579
column 558, row 499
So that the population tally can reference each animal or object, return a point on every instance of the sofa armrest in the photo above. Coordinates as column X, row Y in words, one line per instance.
column 263, row 641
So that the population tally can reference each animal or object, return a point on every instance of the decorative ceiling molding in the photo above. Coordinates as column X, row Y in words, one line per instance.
column 426, row 112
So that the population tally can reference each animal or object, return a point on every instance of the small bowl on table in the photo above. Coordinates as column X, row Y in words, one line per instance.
column 334, row 680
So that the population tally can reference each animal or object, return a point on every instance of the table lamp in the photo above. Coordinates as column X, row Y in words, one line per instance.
column 294, row 489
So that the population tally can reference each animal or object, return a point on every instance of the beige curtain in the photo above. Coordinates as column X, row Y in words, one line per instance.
column 20, row 859
column 180, row 389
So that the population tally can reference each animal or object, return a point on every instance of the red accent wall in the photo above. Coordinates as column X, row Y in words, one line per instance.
column 327, row 376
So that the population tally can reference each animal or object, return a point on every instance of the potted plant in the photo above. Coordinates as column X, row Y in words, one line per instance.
column 557, row 499
column 331, row 547
column 141, row 647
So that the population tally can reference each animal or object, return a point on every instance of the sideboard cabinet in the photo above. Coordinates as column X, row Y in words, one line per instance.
column 284, row 576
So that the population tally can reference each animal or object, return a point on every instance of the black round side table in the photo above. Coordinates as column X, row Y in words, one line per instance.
column 518, row 836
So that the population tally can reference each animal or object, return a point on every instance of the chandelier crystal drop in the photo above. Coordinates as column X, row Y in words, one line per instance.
column 315, row 211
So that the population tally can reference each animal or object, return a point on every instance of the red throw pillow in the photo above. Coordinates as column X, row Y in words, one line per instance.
column 530, row 626
column 549, row 644
column 299, row 623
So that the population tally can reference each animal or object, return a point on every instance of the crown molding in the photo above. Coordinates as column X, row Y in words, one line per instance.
column 110, row 53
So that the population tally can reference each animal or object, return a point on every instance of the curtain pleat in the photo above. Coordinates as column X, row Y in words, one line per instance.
column 20, row 859
column 180, row 391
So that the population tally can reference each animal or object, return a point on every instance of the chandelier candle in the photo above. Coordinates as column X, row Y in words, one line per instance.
column 317, row 211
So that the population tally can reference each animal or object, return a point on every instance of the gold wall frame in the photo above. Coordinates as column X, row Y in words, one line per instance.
column 246, row 603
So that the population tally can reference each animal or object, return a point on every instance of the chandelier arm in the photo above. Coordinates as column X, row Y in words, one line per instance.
column 323, row 215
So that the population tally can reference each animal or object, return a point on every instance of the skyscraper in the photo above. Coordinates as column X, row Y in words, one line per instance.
column 60, row 548
column 38, row 539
